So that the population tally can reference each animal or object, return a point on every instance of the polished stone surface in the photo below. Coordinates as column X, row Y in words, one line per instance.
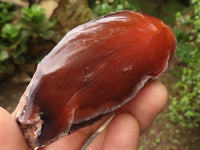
column 95, row 69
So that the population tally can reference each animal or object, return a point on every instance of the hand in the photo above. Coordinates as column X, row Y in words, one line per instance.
column 121, row 133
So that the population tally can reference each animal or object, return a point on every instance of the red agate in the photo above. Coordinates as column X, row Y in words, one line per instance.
column 95, row 69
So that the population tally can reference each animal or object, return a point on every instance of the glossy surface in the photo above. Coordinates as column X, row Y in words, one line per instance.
column 95, row 69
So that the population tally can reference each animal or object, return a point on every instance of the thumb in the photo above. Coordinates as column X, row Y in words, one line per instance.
column 11, row 137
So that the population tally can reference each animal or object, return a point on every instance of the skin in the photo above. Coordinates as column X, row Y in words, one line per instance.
column 121, row 133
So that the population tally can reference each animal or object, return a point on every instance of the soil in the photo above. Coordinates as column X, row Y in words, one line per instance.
column 10, row 94
column 162, row 135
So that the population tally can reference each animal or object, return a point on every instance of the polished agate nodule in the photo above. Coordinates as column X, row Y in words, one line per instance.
column 95, row 69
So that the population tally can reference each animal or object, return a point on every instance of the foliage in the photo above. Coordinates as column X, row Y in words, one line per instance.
column 158, row 8
column 6, row 13
column 192, row 18
column 35, row 21
column 15, row 37
column 14, row 42
column 185, row 107
column 103, row 7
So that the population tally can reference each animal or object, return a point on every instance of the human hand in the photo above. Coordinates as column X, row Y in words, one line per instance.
column 122, row 133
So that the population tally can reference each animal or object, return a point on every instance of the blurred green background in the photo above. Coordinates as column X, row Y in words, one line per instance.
column 29, row 29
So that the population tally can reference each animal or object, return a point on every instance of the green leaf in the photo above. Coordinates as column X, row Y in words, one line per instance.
column 34, row 21
column 5, row 5
column 35, row 14
column 47, row 25
column 10, row 31
column 46, row 34
column 6, row 15
column 3, row 55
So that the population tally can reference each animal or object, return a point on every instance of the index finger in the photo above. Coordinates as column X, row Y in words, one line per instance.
column 149, row 102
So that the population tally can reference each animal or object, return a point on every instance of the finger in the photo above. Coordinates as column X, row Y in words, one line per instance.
column 97, row 143
column 11, row 137
column 145, row 107
column 122, row 133
column 76, row 140
column 147, row 104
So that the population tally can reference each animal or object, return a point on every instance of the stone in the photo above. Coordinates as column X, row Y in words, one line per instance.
column 95, row 69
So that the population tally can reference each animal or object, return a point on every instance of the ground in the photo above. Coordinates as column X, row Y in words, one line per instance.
column 162, row 135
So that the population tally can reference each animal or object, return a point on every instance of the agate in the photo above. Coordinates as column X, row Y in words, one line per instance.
column 95, row 69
